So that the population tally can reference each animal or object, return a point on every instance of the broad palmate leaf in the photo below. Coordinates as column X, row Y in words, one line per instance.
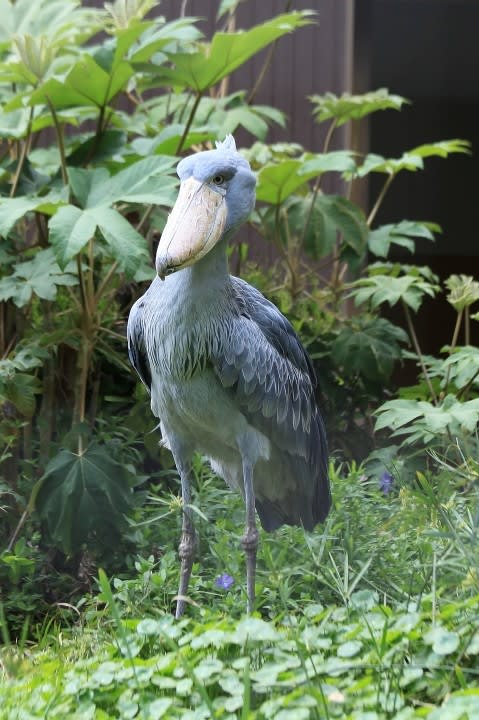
column 40, row 276
column 81, row 495
column 402, row 234
column 71, row 228
column 369, row 348
column 424, row 421
column 213, row 61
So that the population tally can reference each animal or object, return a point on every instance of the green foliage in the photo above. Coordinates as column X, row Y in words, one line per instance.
column 84, row 493
column 374, row 616
column 211, row 62
column 369, row 347
column 353, row 107
column 84, row 187
column 392, row 283
column 402, row 234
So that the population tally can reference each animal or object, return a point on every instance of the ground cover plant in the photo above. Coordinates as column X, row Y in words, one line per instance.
column 374, row 615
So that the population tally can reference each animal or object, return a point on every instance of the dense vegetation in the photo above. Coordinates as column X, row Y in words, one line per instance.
column 375, row 614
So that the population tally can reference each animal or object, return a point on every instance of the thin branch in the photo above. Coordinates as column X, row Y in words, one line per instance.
column 327, row 140
column 144, row 218
column 379, row 200
column 23, row 154
column 83, row 295
column 106, row 280
column 262, row 73
column 419, row 354
column 266, row 64
column 455, row 335
column 61, row 145
column 189, row 121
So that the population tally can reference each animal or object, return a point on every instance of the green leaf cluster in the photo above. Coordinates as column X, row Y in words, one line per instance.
column 81, row 494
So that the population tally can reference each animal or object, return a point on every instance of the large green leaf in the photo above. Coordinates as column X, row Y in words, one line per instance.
column 13, row 209
column 354, row 107
column 40, row 276
column 462, row 367
column 335, row 161
column 60, row 18
column 425, row 421
column 86, row 85
column 18, row 388
column 84, row 495
column 128, row 247
column 409, row 288
column 370, row 348
column 463, row 291
column 204, row 68
column 402, row 234
column 70, row 230
column 412, row 160
column 156, row 38
column 348, row 219
column 146, row 181
column 279, row 181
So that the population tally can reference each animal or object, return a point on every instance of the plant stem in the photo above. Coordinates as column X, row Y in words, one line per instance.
column 191, row 116
column 144, row 218
column 419, row 354
column 61, row 145
column 329, row 135
column 262, row 73
column 455, row 335
column 106, row 280
column 23, row 154
column 467, row 326
column 457, row 327
column 379, row 200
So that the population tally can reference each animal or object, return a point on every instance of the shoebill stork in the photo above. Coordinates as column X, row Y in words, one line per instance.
column 227, row 374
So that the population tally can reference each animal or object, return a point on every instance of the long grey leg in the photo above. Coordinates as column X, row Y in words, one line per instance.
column 249, row 540
column 187, row 545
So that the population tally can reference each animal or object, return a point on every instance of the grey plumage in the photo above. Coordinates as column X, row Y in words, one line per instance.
column 227, row 374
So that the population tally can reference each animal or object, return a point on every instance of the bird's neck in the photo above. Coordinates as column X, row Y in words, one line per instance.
column 201, row 289
column 211, row 272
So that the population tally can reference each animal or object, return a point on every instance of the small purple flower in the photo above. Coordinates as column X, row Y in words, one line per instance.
column 224, row 581
column 386, row 482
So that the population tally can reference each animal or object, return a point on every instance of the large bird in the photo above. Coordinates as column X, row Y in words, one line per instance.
column 227, row 374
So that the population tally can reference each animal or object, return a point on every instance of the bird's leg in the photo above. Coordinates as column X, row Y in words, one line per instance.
column 249, row 540
column 187, row 545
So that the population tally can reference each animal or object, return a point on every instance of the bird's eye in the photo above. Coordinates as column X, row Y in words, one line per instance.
column 218, row 179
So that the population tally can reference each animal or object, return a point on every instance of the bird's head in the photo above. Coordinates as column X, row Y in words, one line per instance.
column 217, row 195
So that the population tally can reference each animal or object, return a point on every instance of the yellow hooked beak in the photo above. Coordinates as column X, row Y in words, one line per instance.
column 194, row 226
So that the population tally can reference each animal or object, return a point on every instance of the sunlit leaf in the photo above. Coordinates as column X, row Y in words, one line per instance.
column 70, row 230
column 336, row 161
column 212, row 62
column 463, row 291
column 279, row 181
column 402, row 234
column 354, row 107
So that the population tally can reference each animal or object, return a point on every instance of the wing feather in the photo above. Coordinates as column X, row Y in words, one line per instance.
column 136, row 343
column 273, row 380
